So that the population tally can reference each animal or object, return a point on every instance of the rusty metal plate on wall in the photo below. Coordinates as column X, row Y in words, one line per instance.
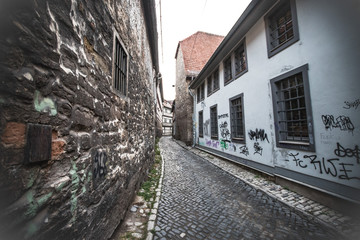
column 38, row 143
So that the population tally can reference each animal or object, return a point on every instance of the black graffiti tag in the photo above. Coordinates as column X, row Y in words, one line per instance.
column 99, row 164
column 353, row 104
column 342, row 122
column 297, row 160
column 345, row 170
column 258, row 134
column 244, row 150
column 258, row 149
column 340, row 151
column 225, row 133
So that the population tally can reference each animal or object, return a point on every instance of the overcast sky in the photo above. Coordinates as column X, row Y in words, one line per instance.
column 182, row 18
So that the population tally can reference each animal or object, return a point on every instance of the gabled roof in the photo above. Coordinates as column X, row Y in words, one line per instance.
column 197, row 49
column 255, row 10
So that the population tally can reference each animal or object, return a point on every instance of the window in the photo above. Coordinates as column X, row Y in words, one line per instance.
column 201, row 92
column 281, row 27
column 213, row 82
column 201, row 122
column 240, row 60
column 227, row 70
column 292, row 110
column 120, row 67
column 213, row 122
column 198, row 95
column 237, row 118
column 209, row 85
column 216, row 85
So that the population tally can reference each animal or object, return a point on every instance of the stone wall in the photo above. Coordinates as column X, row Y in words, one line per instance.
column 72, row 151
column 184, row 103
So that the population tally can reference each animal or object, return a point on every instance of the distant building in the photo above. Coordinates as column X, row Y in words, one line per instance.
column 191, row 55
column 167, row 123
column 282, row 94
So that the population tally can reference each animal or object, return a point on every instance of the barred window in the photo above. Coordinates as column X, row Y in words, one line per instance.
column 120, row 68
column 227, row 70
column 292, row 110
column 237, row 118
column 240, row 59
column 201, row 124
column 214, row 122
column 281, row 27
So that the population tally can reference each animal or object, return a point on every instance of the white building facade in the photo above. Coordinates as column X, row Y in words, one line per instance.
column 281, row 94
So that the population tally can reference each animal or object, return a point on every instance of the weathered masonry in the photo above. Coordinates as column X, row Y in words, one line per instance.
column 287, row 102
column 77, row 118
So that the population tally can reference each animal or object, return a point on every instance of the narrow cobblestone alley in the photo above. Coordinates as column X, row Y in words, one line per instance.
column 201, row 201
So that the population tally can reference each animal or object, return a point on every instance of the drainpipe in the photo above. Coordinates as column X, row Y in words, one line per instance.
column 193, row 115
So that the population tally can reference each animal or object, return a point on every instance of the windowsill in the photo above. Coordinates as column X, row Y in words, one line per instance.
column 238, row 140
column 295, row 143
column 215, row 137
column 120, row 95
column 214, row 91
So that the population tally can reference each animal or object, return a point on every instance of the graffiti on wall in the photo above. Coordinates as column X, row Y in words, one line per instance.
column 258, row 134
column 341, row 151
column 330, row 166
column 353, row 104
column 206, row 127
column 224, row 131
column 342, row 122
column 258, row 149
column 99, row 166
column 244, row 150
column 226, row 115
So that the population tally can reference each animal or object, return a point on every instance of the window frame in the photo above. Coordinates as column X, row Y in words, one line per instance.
column 225, row 63
column 209, row 82
column 243, row 45
column 212, row 125
column 212, row 76
column 201, row 124
column 281, row 143
column 295, row 26
column 234, row 139
column 117, row 41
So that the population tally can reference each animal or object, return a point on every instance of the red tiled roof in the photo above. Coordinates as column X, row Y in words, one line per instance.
column 197, row 49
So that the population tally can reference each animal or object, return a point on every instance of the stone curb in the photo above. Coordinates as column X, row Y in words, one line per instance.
column 313, row 210
column 153, row 215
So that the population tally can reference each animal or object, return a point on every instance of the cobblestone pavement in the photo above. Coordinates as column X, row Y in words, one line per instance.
column 202, row 201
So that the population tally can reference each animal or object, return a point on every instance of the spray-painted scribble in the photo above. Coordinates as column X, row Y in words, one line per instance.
column 258, row 134
column 299, row 162
column 224, row 131
column 244, row 150
column 332, row 166
column 342, row 122
column 206, row 127
column 223, row 116
column 355, row 104
column 100, row 164
column 208, row 143
column 224, row 144
column 340, row 151
column 258, row 149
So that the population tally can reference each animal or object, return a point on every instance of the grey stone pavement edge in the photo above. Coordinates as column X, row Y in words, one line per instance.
column 313, row 211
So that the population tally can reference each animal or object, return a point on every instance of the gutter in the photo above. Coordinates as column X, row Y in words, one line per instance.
column 193, row 116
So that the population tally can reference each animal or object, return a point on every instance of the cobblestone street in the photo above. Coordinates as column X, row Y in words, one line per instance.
column 201, row 201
